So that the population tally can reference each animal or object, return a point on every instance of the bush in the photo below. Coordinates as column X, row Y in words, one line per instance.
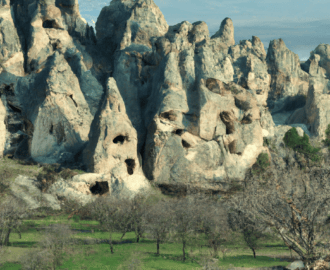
column 261, row 164
column 33, row 259
column 134, row 262
column 47, row 176
column 67, row 173
column 301, row 144
column 327, row 140
column 76, row 218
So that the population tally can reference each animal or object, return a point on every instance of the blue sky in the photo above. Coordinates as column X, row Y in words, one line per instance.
column 302, row 24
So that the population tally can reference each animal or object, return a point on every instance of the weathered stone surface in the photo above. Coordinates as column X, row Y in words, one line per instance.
column 228, row 133
column 144, row 101
column 251, row 68
column 288, row 79
column 296, row 264
column 112, row 143
column 226, row 32
column 27, row 189
column 315, row 114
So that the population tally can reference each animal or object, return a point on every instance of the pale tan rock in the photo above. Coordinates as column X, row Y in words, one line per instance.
column 317, row 107
column 323, row 50
column 288, row 79
column 191, row 107
column 11, row 57
column 257, row 79
column 112, row 146
column 226, row 32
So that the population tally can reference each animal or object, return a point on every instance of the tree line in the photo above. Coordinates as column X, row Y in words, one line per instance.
column 292, row 208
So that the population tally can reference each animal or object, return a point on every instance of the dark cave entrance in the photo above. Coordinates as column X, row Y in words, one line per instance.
column 130, row 163
column 48, row 24
column 100, row 188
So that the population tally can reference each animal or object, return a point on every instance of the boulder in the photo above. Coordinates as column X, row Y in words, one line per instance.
column 296, row 264
column 28, row 190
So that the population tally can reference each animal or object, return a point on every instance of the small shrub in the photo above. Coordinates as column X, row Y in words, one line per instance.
column 261, row 164
column 266, row 142
column 76, row 218
column 301, row 144
column 36, row 260
column 134, row 262
column 47, row 176
column 327, row 140
column 67, row 173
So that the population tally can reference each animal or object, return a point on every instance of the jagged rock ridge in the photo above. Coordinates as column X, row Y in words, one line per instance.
column 144, row 101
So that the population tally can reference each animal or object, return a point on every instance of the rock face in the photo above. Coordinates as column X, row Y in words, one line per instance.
column 144, row 101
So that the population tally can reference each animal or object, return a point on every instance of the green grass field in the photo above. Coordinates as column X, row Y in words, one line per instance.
column 98, row 256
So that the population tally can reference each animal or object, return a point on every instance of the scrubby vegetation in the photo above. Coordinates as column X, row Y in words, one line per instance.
column 327, row 139
column 151, row 230
column 261, row 164
column 301, row 144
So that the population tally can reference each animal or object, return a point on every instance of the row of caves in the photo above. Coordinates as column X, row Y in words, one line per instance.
column 227, row 118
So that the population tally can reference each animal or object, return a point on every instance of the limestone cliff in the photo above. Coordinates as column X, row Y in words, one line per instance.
column 143, row 101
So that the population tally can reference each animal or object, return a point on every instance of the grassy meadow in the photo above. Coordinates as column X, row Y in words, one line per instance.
column 140, row 255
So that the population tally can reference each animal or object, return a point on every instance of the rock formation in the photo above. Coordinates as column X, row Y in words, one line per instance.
column 143, row 101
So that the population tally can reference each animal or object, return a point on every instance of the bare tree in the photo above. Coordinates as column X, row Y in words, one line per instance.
column 252, row 231
column 104, row 210
column 139, row 206
column 293, row 204
column 56, row 239
column 158, row 220
column 124, row 224
column 214, row 221
column 186, row 219
column 12, row 212
column 131, row 212
column 36, row 260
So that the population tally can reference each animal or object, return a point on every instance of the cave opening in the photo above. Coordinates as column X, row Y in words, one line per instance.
column 100, row 188
column 130, row 163
column 48, row 24
column 179, row 132
column 120, row 139
column 185, row 144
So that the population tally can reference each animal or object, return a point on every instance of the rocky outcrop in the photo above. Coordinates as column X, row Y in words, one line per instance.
column 226, row 32
column 288, row 79
column 144, row 101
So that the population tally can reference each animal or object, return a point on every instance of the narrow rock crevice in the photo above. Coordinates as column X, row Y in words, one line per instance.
column 75, row 103
column 227, row 119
